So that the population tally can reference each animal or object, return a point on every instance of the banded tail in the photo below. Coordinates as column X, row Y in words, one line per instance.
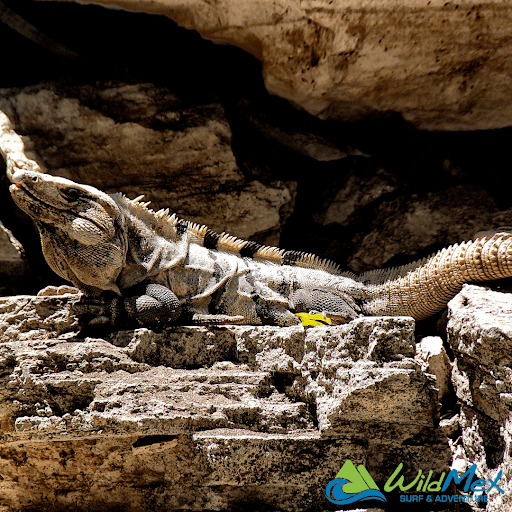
column 424, row 287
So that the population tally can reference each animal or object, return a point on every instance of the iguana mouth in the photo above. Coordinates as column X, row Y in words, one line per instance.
column 49, row 212
column 31, row 196
column 25, row 190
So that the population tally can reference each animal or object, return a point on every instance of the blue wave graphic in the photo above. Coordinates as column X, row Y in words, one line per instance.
column 335, row 494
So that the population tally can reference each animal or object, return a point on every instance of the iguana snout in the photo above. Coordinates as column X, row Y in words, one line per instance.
column 51, row 191
column 54, row 200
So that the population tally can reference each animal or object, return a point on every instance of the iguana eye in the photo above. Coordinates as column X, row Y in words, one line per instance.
column 35, row 179
column 71, row 193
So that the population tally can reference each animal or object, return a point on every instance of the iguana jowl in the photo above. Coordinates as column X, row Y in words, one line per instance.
column 163, row 266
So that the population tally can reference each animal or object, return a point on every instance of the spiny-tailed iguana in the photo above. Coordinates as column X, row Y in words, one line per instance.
column 152, row 267
column 163, row 266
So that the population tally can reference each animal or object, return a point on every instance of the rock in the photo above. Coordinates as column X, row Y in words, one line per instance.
column 442, row 65
column 57, row 290
column 24, row 318
column 434, row 219
column 367, row 377
column 29, row 31
column 357, row 193
column 431, row 355
column 12, row 266
column 139, row 138
column 204, row 417
column 479, row 330
column 287, row 128
column 486, row 443
column 479, row 333
column 450, row 426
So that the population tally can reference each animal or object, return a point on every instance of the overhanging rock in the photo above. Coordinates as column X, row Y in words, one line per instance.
column 443, row 65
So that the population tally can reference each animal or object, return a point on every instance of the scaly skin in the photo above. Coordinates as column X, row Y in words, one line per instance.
column 423, row 288
column 104, row 242
column 156, row 266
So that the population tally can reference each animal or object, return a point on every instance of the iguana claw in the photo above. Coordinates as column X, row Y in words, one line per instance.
column 105, row 309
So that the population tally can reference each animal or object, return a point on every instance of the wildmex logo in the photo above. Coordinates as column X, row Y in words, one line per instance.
column 353, row 484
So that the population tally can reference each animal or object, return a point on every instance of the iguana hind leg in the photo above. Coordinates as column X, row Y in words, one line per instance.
column 338, row 306
column 155, row 306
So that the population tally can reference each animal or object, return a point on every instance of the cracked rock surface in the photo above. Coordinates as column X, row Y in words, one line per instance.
column 480, row 334
column 204, row 418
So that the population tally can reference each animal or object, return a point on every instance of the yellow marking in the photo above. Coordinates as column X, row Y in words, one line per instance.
column 309, row 320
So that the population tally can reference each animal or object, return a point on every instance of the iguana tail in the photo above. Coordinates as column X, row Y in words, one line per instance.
column 424, row 287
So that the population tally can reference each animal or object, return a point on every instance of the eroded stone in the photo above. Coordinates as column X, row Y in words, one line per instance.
column 213, row 412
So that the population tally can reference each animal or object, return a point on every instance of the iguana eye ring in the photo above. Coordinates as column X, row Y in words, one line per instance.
column 35, row 179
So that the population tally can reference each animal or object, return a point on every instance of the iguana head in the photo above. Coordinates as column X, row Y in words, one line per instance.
column 80, row 226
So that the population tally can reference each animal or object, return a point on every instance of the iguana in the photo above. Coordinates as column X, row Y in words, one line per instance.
column 156, row 266
column 134, row 264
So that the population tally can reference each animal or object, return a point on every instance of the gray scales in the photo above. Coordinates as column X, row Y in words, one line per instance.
column 153, row 268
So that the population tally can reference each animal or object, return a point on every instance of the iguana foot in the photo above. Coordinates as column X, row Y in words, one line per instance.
column 96, row 311
column 334, row 305
column 149, row 305
column 272, row 315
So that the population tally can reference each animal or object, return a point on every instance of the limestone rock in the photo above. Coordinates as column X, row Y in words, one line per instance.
column 357, row 193
column 203, row 418
column 443, row 65
column 140, row 138
column 287, row 128
column 12, row 265
column 479, row 332
column 437, row 218
column 433, row 359
column 367, row 377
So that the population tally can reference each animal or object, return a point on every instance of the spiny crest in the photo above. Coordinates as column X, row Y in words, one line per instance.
column 482, row 258
column 270, row 253
column 198, row 232
column 161, row 221
column 230, row 242
column 171, row 227
column 383, row 275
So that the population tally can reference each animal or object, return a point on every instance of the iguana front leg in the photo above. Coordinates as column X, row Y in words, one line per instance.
column 149, row 304
column 339, row 307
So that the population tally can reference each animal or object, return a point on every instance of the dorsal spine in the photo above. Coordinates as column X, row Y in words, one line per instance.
column 172, row 227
